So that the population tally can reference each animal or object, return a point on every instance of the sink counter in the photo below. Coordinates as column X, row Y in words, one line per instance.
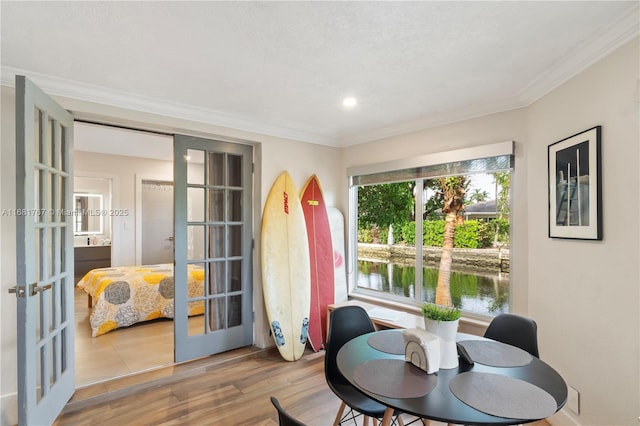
column 87, row 258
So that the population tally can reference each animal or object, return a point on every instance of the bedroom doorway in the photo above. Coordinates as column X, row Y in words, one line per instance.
column 229, row 297
column 126, row 156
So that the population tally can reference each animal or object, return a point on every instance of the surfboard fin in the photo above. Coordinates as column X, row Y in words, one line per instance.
column 304, row 333
column 277, row 333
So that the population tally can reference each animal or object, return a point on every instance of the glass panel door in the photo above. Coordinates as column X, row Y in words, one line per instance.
column 213, row 286
column 44, row 250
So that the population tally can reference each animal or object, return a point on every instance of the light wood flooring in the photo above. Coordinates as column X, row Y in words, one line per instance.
column 127, row 377
column 232, row 388
column 120, row 352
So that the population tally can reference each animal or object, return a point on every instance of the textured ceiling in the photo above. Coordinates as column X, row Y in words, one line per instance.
column 282, row 68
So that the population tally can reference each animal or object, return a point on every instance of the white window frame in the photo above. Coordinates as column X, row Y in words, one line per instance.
column 506, row 148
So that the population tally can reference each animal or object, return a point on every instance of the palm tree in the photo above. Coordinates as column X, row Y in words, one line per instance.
column 453, row 190
column 477, row 196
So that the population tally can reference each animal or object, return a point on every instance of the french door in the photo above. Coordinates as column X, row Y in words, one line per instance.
column 213, row 189
column 213, row 243
column 44, row 254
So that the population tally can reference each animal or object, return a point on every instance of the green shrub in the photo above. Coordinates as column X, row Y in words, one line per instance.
column 486, row 231
column 383, row 235
column 466, row 235
column 503, row 229
column 397, row 233
column 408, row 233
column 471, row 234
column 433, row 233
column 364, row 236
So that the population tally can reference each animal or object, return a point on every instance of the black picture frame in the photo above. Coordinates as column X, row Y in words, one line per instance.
column 575, row 186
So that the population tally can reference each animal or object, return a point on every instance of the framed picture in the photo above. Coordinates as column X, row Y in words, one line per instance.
column 575, row 187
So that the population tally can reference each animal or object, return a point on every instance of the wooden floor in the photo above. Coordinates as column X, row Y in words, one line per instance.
column 226, row 389
column 120, row 352
column 127, row 377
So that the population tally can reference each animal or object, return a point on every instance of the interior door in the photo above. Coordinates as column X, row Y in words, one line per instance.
column 44, row 250
column 213, row 183
column 157, row 226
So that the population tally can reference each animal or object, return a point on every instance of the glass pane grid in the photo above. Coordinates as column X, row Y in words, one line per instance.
column 215, row 165
column 214, row 233
column 40, row 359
column 53, row 360
column 234, row 315
column 216, row 314
column 62, row 317
column 66, row 160
column 234, row 171
column 37, row 146
column 50, row 142
column 63, row 350
column 54, row 298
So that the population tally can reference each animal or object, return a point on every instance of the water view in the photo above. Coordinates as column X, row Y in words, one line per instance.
column 486, row 294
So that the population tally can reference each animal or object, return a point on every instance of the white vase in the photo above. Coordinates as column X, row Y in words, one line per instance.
column 446, row 331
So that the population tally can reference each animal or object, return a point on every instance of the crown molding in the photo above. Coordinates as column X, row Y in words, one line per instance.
column 77, row 90
column 593, row 50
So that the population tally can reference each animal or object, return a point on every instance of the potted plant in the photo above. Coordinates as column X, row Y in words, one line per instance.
column 443, row 322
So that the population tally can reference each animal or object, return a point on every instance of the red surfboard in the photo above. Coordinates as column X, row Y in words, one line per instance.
column 321, row 260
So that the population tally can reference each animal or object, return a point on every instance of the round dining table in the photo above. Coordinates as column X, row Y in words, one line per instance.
column 503, row 385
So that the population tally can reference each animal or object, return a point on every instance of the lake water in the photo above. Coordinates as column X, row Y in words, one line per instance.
column 485, row 294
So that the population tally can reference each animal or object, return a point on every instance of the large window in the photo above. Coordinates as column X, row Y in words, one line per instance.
column 435, row 229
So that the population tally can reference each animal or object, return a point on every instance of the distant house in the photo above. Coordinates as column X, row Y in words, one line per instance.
column 484, row 210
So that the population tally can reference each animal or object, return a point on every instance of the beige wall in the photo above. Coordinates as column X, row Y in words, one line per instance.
column 584, row 294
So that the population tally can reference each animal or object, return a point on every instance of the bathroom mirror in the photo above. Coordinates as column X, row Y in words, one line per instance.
column 88, row 214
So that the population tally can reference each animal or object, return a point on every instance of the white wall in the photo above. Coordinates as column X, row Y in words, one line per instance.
column 272, row 156
column 583, row 294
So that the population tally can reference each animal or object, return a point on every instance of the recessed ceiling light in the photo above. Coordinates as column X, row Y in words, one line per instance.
column 349, row 102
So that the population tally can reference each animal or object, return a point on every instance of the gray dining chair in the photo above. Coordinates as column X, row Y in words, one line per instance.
column 515, row 330
column 284, row 418
column 346, row 323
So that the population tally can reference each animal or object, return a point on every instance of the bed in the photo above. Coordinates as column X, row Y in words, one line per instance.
column 127, row 295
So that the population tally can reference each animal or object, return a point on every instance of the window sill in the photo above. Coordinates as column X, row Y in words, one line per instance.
column 413, row 317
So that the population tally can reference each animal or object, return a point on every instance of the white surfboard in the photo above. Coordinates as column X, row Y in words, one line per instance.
column 336, row 223
column 286, row 278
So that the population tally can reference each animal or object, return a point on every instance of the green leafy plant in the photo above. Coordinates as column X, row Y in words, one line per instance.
column 440, row 313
